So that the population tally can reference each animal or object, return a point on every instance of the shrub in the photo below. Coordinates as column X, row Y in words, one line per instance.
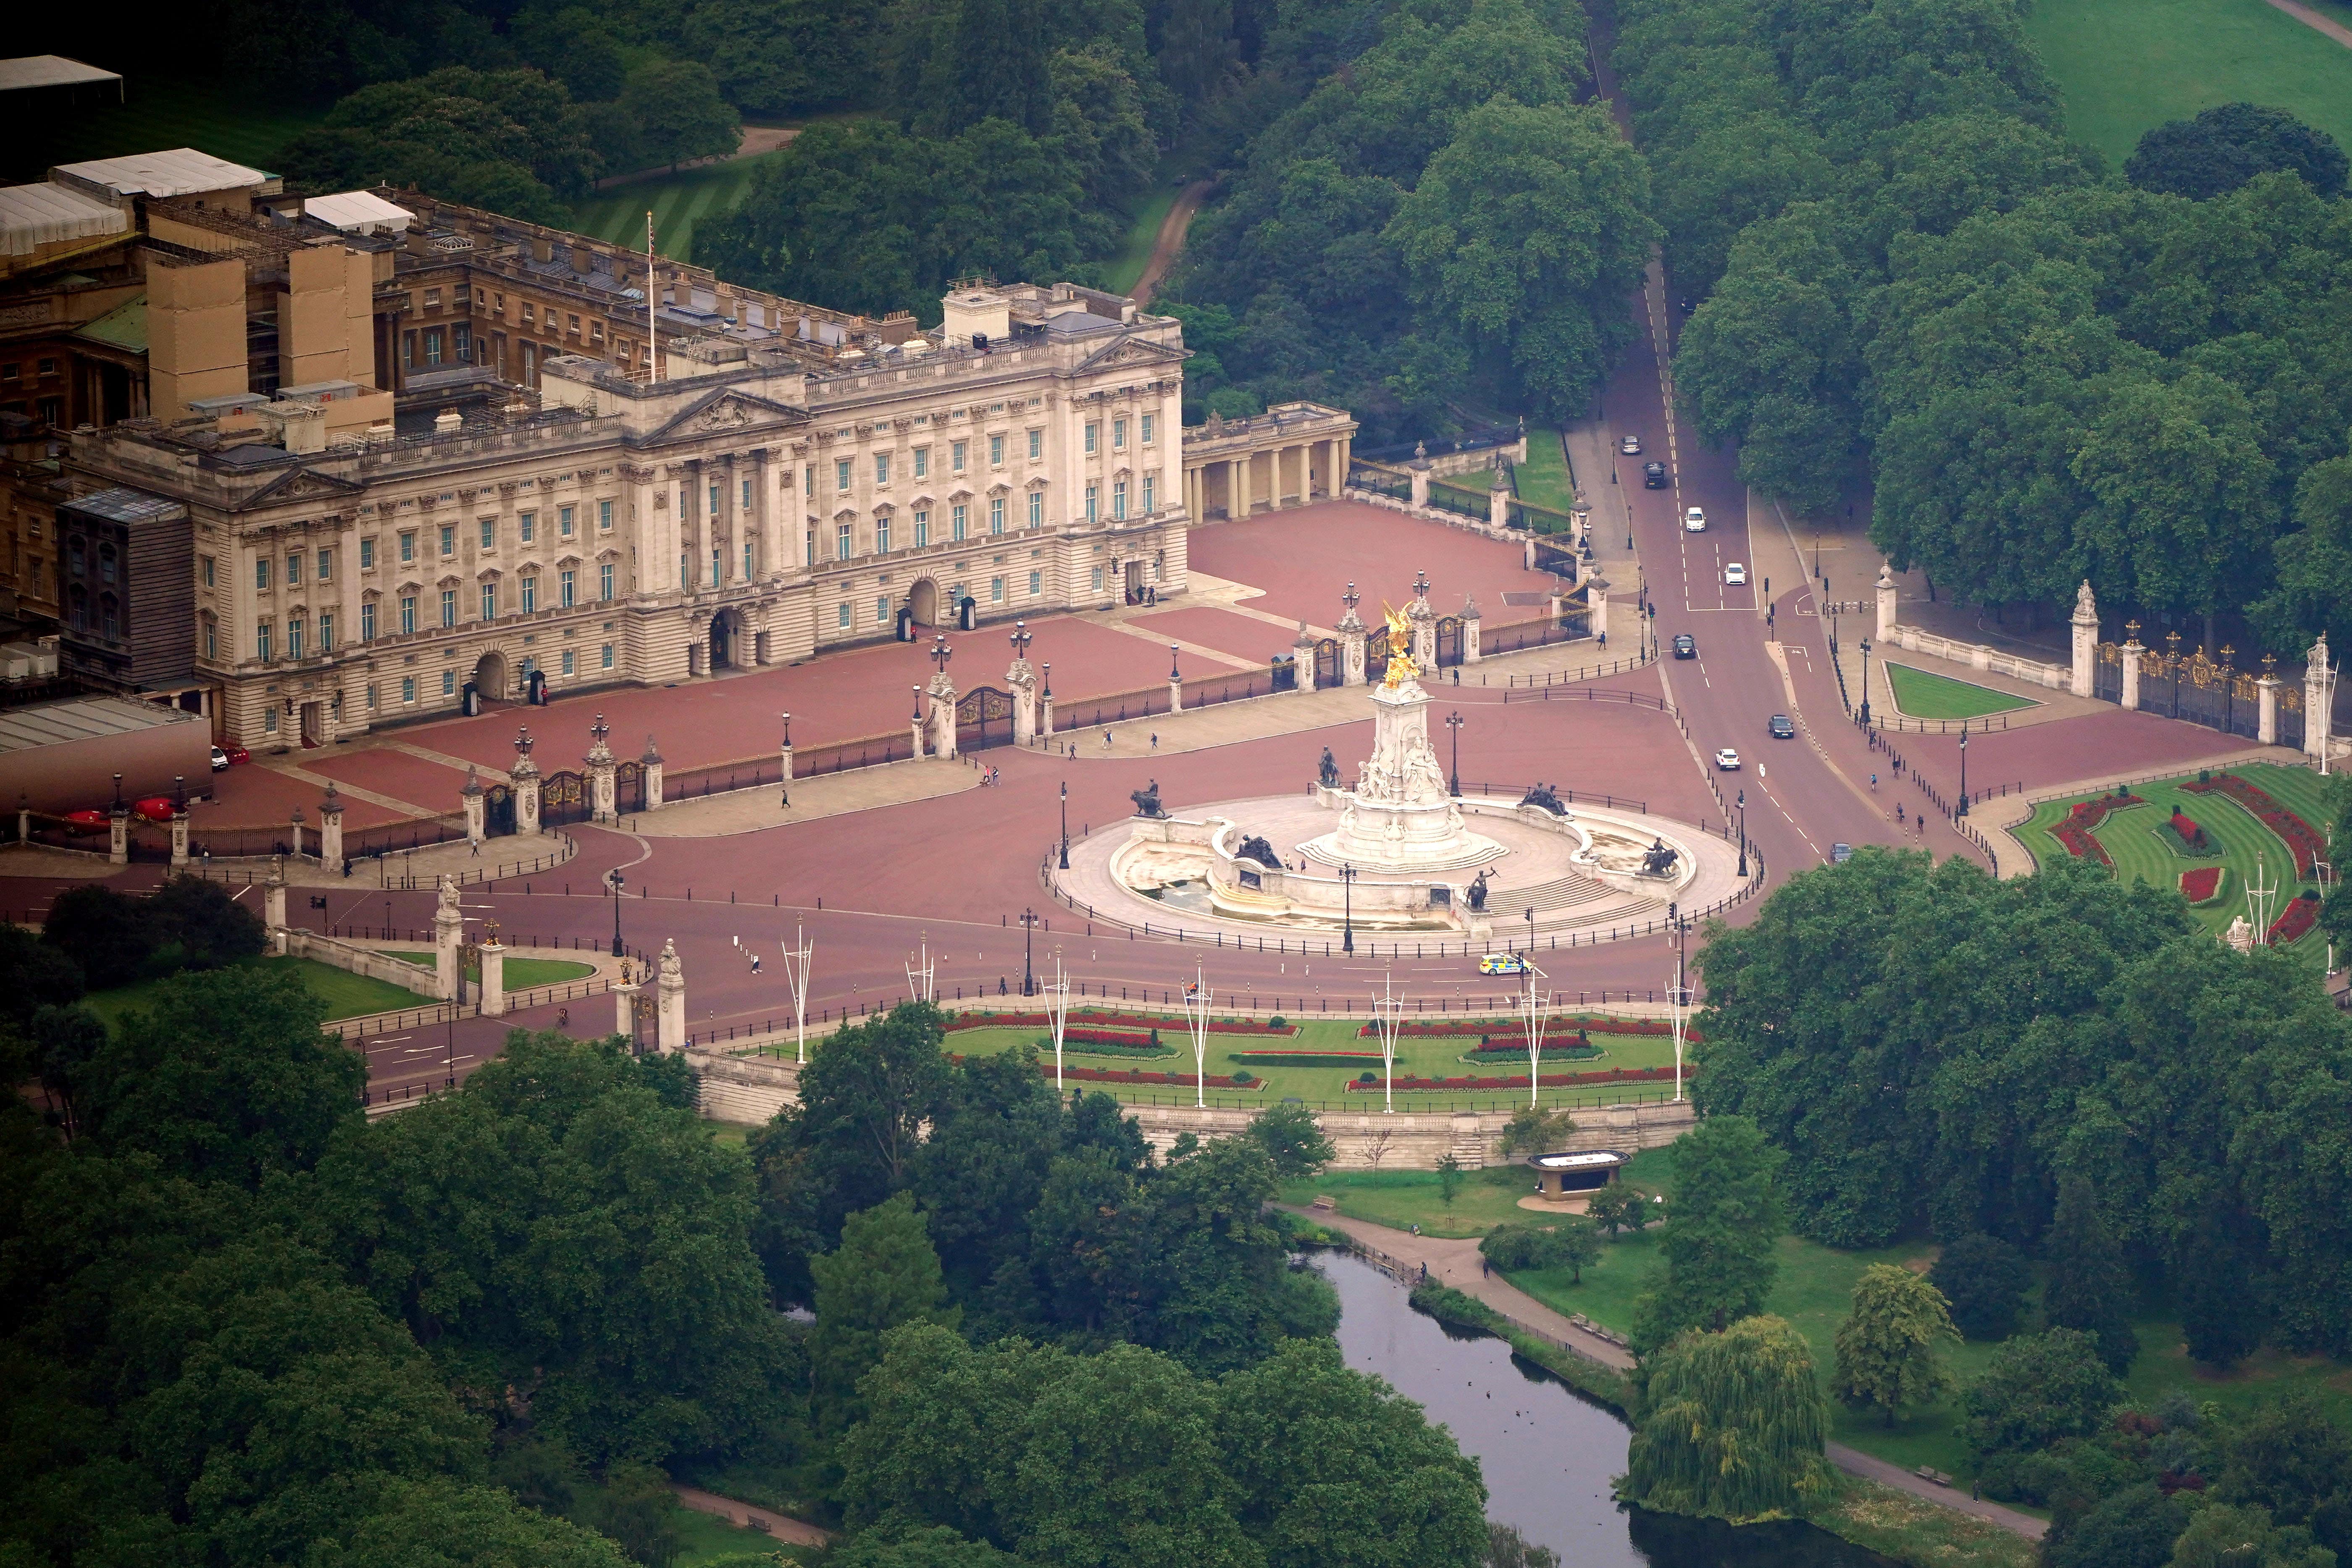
column 2039, row 1389
column 1985, row 1280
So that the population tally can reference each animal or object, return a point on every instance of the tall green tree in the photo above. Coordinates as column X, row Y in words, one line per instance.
column 1731, row 1426
column 678, row 111
column 1717, row 1244
column 2037, row 1390
column 2090, row 1288
column 1984, row 1280
column 883, row 1274
column 226, row 1076
column 1886, row 1348
column 2223, row 147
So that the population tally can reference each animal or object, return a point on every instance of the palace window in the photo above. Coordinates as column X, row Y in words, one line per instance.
column 1147, row 493
column 448, row 606
column 957, row 515
column 489, row 601
column 407, row 613
column 1092, row 430
column 996, row 514
column 1036, row 445
column 604, row 581
column 529, row 593
column 1036, row 509
column 882, row 536
column 922, row 527
column 844, row 542
column 527, row 528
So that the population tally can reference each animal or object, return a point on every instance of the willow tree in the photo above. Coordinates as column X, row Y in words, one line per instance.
column 1886, row 1348
column 1732, row 1426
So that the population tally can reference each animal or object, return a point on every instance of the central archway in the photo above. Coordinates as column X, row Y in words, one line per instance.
column 923, row 603
column 491, row 676
column 726, row 636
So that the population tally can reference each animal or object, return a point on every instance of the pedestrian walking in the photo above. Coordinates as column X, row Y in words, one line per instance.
column 755, row 964
column 1105, row 738
column 1155, row 739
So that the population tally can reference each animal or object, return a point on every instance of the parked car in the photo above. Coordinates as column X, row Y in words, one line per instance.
column 1694, row 521
column 1728, row 760
column 1686, row 304
column 1841, row 853
column 1686, row 645
column 1734, row 575
column 220, row 761
column 1653, row 476
column 1781, row 729
column 239, row 755
column 1502, row 964
column 1630, row 445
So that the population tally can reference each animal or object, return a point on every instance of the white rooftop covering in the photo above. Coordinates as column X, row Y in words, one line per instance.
column 359, row 212
column 34, row 215
column 49, row 70
column 181, row 172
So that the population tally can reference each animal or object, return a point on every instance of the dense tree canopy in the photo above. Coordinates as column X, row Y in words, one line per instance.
column 1718, row 1246
column 2223, row 147
column 2015, row 1032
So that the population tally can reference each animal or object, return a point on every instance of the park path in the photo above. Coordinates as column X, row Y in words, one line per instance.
column 1457, row 1262
column 750, row 1516
column 2317, row 23
column 1171, row 241
column 757, row 139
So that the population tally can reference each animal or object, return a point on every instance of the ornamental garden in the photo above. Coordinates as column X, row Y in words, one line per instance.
column 2209, row 835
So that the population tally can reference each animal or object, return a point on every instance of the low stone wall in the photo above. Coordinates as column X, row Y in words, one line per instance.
column 1977, row 655
column 1444, row 465
column 335, row 951
column 752, row 1089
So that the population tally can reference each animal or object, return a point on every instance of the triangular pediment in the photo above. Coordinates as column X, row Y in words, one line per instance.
column 298, row 485
column 1136, row 351
column 724, row 410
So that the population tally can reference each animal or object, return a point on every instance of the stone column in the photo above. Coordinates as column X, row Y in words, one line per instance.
column 331, row 828
column 942, row 694
column 2266, row 725
column 273, row 903
column 2085, row 622
column 1237, row 488
column 118, row 849
column 915, row 726
column 525, row 779
column 179, row 837
column 1596, row 594
column 448, row 940
column 1021, row 679
column 1175, row 697
column 24, row 825
column 1498, row 498
column 1351, row 651
column 469, row 795
column 2318, row 699
column 652, row 762
column 603, row 781
column 1470, row 652
column 1302, row 658
column 493, row 994
column 624, row 1009
column 298, row 832
column 2132, row 652
column 1419, row 469
column 1046, row 704
column 670, row 1022
column 1886, row 603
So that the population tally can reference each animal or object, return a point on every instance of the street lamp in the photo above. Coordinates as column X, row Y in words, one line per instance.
column 2229, row 681
column 1028, row 969
column 1065, row 825
column 1174, row 677
column 1454, row 721
column 1020, row 638
column 1866, row 683
column 1743, row 832
column 1963, row 810
column 1347, row 909
column 2172, row 659
column 1532, row 929
column 612, row 880
column 788, row 753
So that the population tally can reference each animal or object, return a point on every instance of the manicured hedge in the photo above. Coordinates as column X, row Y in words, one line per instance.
column 1305, row 1059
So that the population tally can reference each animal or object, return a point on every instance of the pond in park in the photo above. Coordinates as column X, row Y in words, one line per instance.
column 1547, row 1452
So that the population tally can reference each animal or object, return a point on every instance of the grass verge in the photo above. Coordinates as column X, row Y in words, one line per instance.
column 2125, row 66
column 679, row 202
column 1123, row 271
column 1544, row 477
column 347, row 995
column 1911, row 1530
column 1923, row 694
column 521, row 973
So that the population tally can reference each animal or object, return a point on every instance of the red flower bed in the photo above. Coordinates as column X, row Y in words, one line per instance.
column 1125, row 1075
column 2307, row 845
column 1131, row 1022
column 2075, row 833
column 1550, row 1080
column 1107, row 1037
column 2187, row 831
column 2294, row 921
column 1599, row 1025
column 2203, row 885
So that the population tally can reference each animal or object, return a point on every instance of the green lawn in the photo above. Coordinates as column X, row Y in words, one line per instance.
column 1544, row 477
column 157, row 114
column 1326, row 1087
column 678, row 201
column 347, row 995
column 521, row 973
column 1923, row 694
column 1402, row 1199
column 1121, row 273
column 2142, row 854
column 707, row 1537
column 1814, row 1291
column 2124, row 66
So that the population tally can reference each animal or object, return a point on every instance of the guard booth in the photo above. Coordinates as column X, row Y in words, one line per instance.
column 967, row 612
column 470, row 701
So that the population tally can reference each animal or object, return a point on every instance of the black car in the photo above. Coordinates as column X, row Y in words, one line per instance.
column 1686, row 304
column 1781, row 729
column 1653, row 476
column 1686, row 645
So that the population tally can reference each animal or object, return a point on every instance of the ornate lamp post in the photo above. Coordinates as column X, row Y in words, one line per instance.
column 788, row 757
column 1743, row 832
column 1963, row 810
column 1454, row 721
column 1065, row 825
column 612, row 880
column 1020, row 638
column 1028, row 969
column 941, row 652
column 1866, row 683
column 2228, row 681
column 1347, row 909
column 1174, row 675
column 2172, row 661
